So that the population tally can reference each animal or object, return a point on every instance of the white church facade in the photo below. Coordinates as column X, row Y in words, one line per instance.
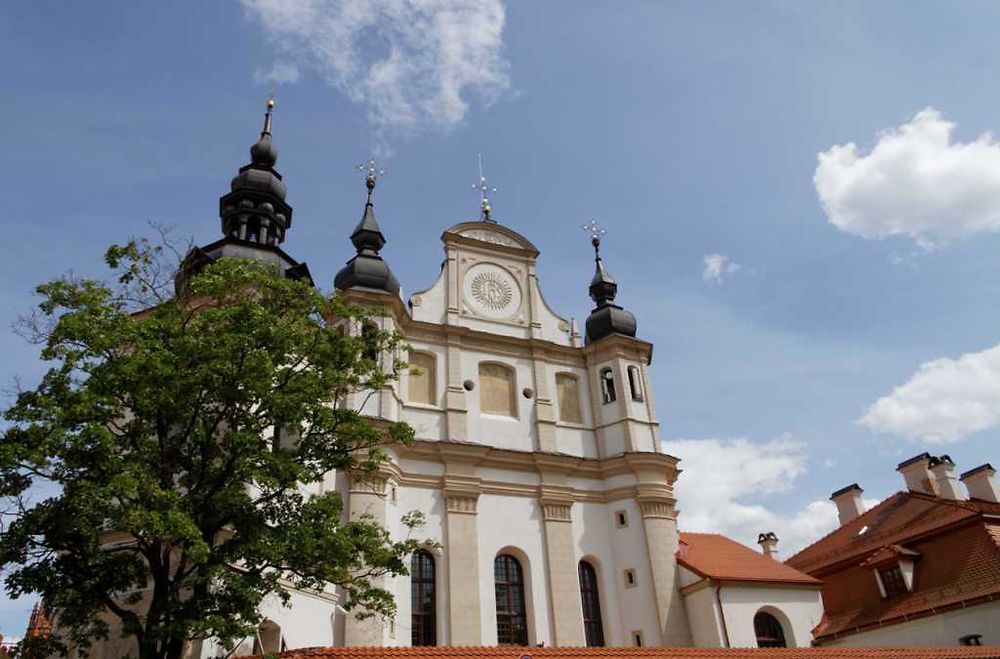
column 550, row 515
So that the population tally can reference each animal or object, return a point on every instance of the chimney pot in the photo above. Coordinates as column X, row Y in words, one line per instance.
column 848, row 501
column 916, row 471
column 769, row 544
column 980, row 483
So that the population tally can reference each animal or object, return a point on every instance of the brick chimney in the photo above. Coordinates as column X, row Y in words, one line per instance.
column 943, row 469
column 848, row 502
column 768, row 544
column 916, row 471
column 981, row 484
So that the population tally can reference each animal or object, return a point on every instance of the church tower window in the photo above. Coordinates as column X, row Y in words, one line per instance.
column 608, row 393
column 497, row 390
column 369, row 338
column 568, row 393
column 512, row 618
column 593, row 626
column 422, row 599
column 422, row 378
column 635, row 382
column 768, row 631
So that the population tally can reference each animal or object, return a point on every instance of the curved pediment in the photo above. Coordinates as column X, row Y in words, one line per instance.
column 492, row 233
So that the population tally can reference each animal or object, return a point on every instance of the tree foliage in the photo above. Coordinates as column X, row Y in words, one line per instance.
column 159, row 473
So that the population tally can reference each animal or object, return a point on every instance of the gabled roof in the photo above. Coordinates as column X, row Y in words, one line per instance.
column 958, row 543
column 515, row 652
column 903, row 516
column 715, row 556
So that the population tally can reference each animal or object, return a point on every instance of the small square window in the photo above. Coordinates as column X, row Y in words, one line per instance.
column 621, row 519
column 630, row 578
column 637, row 638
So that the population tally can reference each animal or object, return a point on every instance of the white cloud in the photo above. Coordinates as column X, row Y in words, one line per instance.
column 717, row 265
column 915, row 181
column 722, row 481
column 411, row 63
column 282, row 73
column 945, row 401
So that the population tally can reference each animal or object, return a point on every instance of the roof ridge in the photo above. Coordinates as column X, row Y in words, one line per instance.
column 859, row 517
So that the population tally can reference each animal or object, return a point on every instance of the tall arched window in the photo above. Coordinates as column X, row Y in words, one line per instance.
column 635, row 382
column 568, row 394
column 512, row 617
column 593, row 627
column 496, row 392
column 768, row 631
column 422, row 384
column 608, row 393
column 422, row 599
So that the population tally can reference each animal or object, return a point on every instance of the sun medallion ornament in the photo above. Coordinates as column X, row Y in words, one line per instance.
column 491, row 291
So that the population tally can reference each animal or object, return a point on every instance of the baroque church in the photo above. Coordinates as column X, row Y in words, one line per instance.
column 550, row 511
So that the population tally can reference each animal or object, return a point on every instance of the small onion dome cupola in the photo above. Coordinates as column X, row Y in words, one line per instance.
column 255, row 210
column 367, row 269
column 607, row 318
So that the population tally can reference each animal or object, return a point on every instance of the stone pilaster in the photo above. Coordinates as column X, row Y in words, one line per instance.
column 455, row 404
column 545, row 418
column 659, row 521
column 564, row 583
column 462, row 546
column 365, row 498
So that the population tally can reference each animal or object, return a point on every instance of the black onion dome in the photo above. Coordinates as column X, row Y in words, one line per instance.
column 367, row 269
column 264, row 152
column 260, row 180
column 607, row 318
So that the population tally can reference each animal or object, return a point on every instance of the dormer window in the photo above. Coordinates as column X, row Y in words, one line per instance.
column 894, row 568
column 892, row 581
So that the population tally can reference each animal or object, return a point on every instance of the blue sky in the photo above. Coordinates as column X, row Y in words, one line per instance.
column 687, row 129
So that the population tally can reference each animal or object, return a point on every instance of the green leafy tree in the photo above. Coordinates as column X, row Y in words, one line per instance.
column 157, row 475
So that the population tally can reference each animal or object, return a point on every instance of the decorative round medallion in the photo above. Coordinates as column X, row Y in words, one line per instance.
column 491, row 291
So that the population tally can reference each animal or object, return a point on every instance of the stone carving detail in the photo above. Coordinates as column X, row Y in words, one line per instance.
column 491, row 291
column 461, row 503
column 490, row 237
column 556, row 511
column 662, row 509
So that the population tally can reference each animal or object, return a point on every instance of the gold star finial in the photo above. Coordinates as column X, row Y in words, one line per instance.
column 372, row 173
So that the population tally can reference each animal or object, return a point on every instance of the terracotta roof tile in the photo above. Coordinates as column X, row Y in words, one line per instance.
column 718, row 557
column 959, row 563
column 513, row 652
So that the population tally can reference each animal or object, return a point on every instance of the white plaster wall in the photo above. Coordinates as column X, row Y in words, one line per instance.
column 513, row 522
column 942, row 629
column 637, row 604
column 515, row 433
column 307, row 621
column 433, row 301
column 703, row 617
column 798, row 609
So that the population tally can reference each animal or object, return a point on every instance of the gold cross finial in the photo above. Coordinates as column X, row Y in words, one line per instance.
column 484, row 190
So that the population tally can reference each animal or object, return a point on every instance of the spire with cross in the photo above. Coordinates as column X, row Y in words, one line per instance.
column 484, row 189
column 607, row 317
column 372, row 173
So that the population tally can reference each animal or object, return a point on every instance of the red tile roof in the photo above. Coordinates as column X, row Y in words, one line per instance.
column 715, row 556
column 958, row 566
column 513, row 652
